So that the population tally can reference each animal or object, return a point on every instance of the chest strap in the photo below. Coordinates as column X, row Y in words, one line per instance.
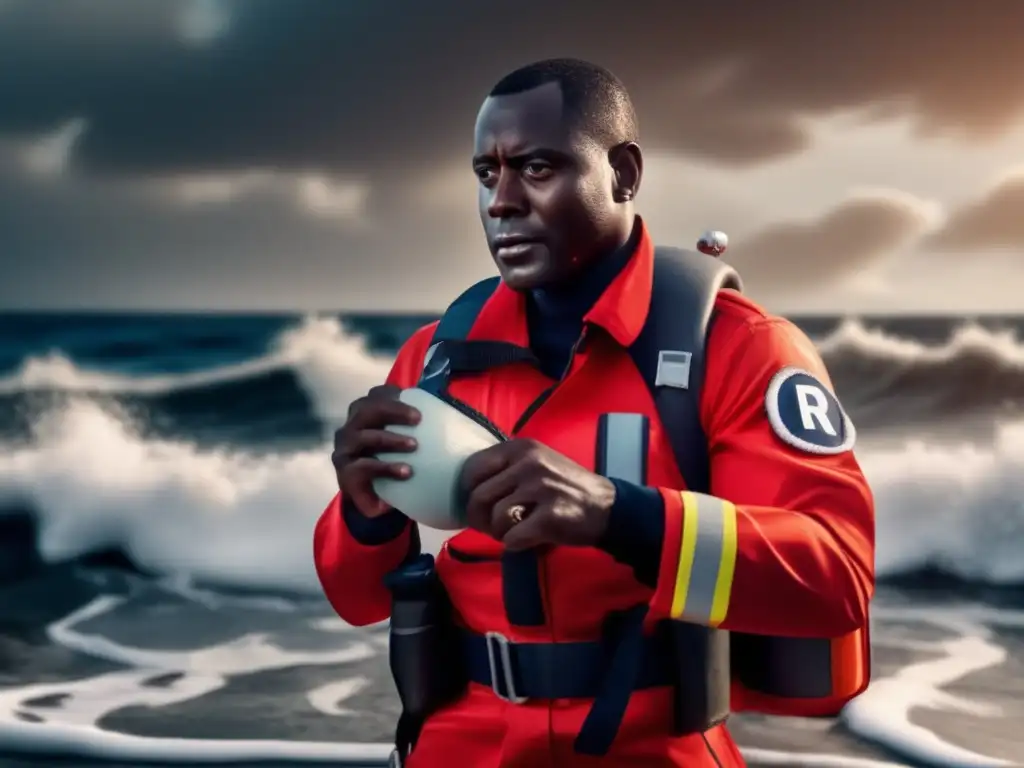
column 606, row 672
column 520, row 672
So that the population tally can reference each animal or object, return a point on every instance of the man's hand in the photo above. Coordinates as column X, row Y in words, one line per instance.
column 559, row 501
column 364, row 436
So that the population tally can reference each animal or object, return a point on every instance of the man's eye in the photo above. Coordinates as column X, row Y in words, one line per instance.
column 485, row 174
column 538, row 170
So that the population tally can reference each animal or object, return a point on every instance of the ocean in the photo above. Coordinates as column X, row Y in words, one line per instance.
column 160, row 476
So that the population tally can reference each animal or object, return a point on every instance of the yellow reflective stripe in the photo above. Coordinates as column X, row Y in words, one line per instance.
column 707, row 560
column 687, row 545
column 727, row 566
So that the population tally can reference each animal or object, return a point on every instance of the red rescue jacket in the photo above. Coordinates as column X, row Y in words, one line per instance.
column 796, row 558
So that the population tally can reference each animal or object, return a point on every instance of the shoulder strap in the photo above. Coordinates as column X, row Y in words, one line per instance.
column 452, row 330
column 457, row 321
column 670, row 350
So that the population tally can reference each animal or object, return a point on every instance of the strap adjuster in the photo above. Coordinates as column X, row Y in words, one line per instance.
column 499, row 655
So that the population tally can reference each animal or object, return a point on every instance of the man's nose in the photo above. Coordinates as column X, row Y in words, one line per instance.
column 507, row 197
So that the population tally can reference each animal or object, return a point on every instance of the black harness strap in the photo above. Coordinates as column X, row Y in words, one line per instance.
column 670, row 354
column 673, row 340
column 451, row 332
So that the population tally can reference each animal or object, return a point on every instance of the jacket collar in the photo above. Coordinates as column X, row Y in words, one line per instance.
column 621, row 309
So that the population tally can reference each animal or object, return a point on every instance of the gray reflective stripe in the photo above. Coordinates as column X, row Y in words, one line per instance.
column 624, row 449
column 707, row 559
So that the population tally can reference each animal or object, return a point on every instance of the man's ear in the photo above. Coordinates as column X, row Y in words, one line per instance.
column 627, row 163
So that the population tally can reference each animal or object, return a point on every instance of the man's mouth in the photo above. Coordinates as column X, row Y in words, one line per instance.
column 513, row 247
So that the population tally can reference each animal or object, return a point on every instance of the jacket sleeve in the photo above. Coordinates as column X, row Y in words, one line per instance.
column 353, row 553
column 784, row 544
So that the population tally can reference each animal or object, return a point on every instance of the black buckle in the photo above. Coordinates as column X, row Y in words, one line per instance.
column 499, row 655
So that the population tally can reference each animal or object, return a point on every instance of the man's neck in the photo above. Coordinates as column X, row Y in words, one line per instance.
column 574, row 300
column 555, row 317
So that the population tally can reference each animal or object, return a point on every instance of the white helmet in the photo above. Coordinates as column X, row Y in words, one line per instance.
column 445, row 439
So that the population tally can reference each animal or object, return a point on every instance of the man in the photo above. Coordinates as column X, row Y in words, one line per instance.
column 555, row 550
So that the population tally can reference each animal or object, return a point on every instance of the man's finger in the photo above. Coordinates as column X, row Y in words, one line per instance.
column 367, row 468
column 485, row 464
column 344, row 459
column 533, row 531
column 355, row 406
column 357, row 482
column 384, row 391
column 378, row 414
column 510, row 512
column 370, row 442
column 484, row 497
column 339, row 438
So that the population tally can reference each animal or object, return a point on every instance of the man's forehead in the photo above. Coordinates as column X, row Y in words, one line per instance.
column 535, row 114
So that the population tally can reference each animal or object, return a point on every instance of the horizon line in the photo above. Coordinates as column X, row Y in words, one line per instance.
column 413, row 313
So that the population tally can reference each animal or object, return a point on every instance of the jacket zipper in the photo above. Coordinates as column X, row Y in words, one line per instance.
column 542, row 398
column 523, row 419
column 475, row 415
column 490, row 426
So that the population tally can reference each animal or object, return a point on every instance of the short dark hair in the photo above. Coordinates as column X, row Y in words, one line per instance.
column 595, row 100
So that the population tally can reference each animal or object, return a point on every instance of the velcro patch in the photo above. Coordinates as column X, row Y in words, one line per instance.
column 806, row 415
column 673, row 369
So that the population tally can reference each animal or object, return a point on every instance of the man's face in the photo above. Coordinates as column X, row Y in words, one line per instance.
column 545, row 197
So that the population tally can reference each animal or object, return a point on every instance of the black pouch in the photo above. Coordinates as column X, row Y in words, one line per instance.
column 700, row 659
column 426, row 665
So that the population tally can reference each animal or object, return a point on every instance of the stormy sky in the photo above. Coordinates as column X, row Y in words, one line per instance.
column 314, row 154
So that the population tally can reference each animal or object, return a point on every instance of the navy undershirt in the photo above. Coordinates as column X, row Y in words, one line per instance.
column 555, row 320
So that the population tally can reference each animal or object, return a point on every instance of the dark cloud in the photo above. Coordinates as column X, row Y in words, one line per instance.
column 253, row 242
column 382, row 87
column 261, row 106
column 995, row 222
column 851, row 237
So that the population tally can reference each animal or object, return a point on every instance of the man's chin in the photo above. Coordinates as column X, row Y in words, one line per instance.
column 527, row 277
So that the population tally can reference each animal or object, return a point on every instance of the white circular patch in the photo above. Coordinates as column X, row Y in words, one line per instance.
column 806, row 415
